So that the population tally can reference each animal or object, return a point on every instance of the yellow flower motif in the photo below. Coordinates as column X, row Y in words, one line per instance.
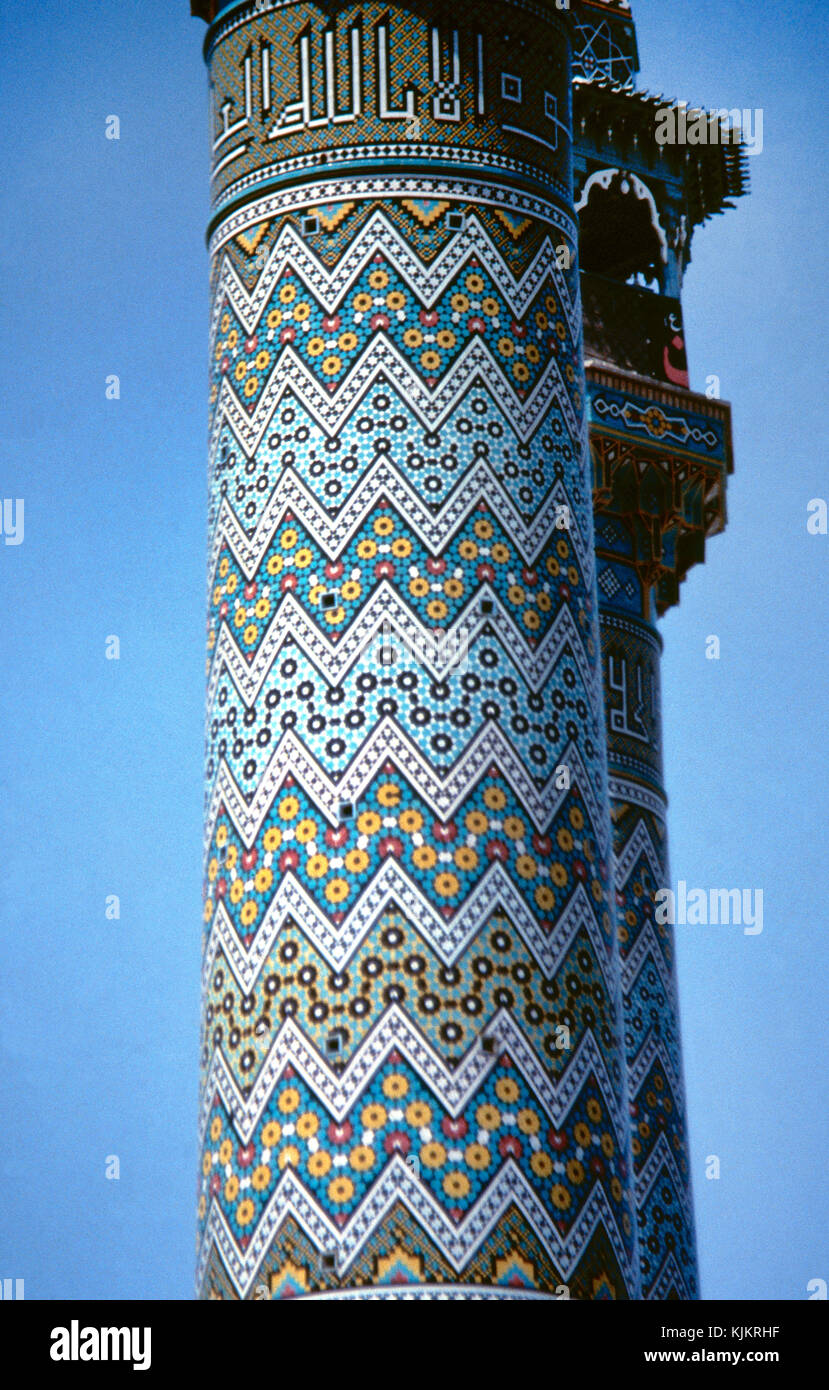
column 445, row 338
column 362, row 302
column 260, row 1177
column 476, row 822
column 368, row 823
column 240, row 617
column 317, row 866
column 232, row 338
column 289, row 538
column 563, row 549
column 224, row 566
column 319, row 1164
column 516, row 595
column 273, row 838
column 241, row 370
column 528, row 1121
column 490, row 307
column 356, row 861
column 495, row 798
column 506, row 347
column 274, row 318
column 275, row 564
column 608, row 1146
column 315, row 346
column 302, row 311
column 366, row 550
column 262, row 360
column 332, row 365
column 430, row 361
column 383, row 526
column 337, row 890
column 541, row 321
column 351, row 590
column 361, row 1158
column 520, row 371
column 447, row 885
column 307, row 1124
column 594, row 1110
column 340, row 1190
column 401, row 547
column 395, row 300
column 395, row 1086
column 507, row 1090
column 289, row 1157
column 560, row 1196
column 559, row 875
column 575, row 1171
column 271, row 1134
column 478, row 1157
column 388, row 794
column 306, row 830
column 433, row 1155
column 541, row 1164
column 616, row 1189
column 212, row 869
column 576, row 818
column 424, row 857
column 436, row 609
column 500, row 553
column 483, row 529
column 418, row 1114
column 378, row 279
column 453, row 588
column 288, row 1100
column 215, row 1128
column 564, row 840
column 412, row 338
column 288, row 808
column 287, row 294
column 232, row 1188
column 550, row 304
column 544, row 898
column 249, row 913
column 544, row 602
column 526, row 866
column 466, row 859
column 347, row 342
column 468, row 550
column 597, row 890
column 374, row 1116
column 237, row 891
column 474, row 284
column 250, row 634
column 514, row 827
column 410, row 822
column 263, row 608
column 458, row 302
column 206, row 1165
column 582, row 1135
column 533, row 355
column 202, row 1207
column 456, row 1185
column 225, row 323
column 488, row 1117
column 418, row 587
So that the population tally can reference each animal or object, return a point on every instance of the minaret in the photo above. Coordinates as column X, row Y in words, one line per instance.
column 661, row 455
column 413, row 1080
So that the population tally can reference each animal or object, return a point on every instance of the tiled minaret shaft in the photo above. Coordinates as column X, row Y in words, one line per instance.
column 413, row 1078
column 661, row 455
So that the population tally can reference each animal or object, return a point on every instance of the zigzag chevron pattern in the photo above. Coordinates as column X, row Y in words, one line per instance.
column 398, row 455
column 653, row 1059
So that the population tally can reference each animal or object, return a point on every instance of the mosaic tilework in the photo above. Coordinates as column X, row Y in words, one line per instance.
column 413, row 1062
column 667, row 1253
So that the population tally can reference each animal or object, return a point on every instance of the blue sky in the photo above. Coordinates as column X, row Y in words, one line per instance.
column 103, row 263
